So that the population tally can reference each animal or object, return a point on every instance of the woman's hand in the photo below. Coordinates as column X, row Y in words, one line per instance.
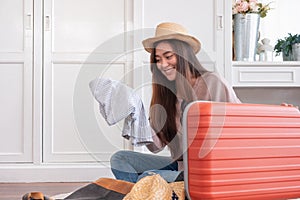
column 288, row 105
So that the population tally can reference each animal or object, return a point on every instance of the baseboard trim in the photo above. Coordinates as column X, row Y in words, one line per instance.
column 53, row 172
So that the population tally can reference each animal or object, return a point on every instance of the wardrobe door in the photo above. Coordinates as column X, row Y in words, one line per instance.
column 77, row 38
column 202, row 18
column 16, row 68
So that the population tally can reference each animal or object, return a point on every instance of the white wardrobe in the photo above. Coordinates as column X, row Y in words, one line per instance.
column 50, row 126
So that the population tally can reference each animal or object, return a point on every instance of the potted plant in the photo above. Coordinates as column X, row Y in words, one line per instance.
column 285, row 46
column 296, row 47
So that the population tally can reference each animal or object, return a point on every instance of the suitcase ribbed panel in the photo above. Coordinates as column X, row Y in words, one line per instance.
column 242, row 151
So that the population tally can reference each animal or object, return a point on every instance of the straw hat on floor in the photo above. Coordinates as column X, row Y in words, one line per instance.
column 155, row 187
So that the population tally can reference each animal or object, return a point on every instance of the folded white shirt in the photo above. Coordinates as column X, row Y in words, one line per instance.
column 118, row 101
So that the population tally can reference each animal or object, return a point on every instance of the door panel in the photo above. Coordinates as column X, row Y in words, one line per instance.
column 16, row 81
column 77, row 40
column 201, row 18
column 82, row 25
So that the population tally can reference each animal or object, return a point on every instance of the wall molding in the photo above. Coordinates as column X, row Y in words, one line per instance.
column 53, row 172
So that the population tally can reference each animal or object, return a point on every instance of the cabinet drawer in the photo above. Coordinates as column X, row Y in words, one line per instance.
column 266, row 76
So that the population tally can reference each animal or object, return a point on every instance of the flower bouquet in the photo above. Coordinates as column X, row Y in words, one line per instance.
column 250, row 6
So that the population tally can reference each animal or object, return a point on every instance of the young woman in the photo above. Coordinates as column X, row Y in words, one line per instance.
column 178, row 78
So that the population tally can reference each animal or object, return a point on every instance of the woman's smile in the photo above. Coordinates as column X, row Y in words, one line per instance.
column 169, row 70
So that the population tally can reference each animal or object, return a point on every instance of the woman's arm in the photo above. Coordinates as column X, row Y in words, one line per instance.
column 220, row 90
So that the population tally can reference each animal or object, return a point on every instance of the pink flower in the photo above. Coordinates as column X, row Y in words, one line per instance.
column 250, row 6
column 242, row 7
column 253, row 1
column 253, row 7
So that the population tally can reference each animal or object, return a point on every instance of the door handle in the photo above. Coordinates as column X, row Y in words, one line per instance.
column 220, row 22
column 28, row 25
column 47, row 23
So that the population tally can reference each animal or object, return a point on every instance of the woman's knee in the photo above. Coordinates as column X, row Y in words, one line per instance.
column 120, row 156
column 116, row 156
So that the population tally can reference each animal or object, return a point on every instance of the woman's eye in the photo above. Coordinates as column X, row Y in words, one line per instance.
column 169, row 57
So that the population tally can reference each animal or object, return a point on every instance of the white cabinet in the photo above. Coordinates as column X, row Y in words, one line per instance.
column 16, row 81
column 76, row 35
column 50, row 123
column 73, row 41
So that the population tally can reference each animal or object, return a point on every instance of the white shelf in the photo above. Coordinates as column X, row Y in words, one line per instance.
column 266, row 64
column 266, row 74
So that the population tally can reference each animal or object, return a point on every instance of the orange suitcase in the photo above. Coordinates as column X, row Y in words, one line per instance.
column 241, row 151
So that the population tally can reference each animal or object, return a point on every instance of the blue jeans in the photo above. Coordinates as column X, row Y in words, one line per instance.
column 132, row 166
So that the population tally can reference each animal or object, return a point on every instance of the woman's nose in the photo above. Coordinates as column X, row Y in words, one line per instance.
column 164, row 63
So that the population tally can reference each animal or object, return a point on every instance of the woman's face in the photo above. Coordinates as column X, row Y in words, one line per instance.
column 166, row 60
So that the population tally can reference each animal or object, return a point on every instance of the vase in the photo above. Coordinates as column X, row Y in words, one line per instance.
column 296, row 51
column 289, row 57
column 245, row 36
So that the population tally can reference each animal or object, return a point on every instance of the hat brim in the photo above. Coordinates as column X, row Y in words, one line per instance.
column 192, row 41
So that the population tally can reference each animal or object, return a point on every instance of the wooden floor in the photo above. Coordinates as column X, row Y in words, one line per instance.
column 15, row 191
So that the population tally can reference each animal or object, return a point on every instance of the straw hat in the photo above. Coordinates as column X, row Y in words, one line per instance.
column 155, row 187
column 169, row 30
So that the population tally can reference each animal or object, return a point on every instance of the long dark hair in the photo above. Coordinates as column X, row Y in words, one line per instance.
column 164, row 92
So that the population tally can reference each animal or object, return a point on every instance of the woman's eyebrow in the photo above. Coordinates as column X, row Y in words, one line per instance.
column 164, row 53
column 167, row 52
